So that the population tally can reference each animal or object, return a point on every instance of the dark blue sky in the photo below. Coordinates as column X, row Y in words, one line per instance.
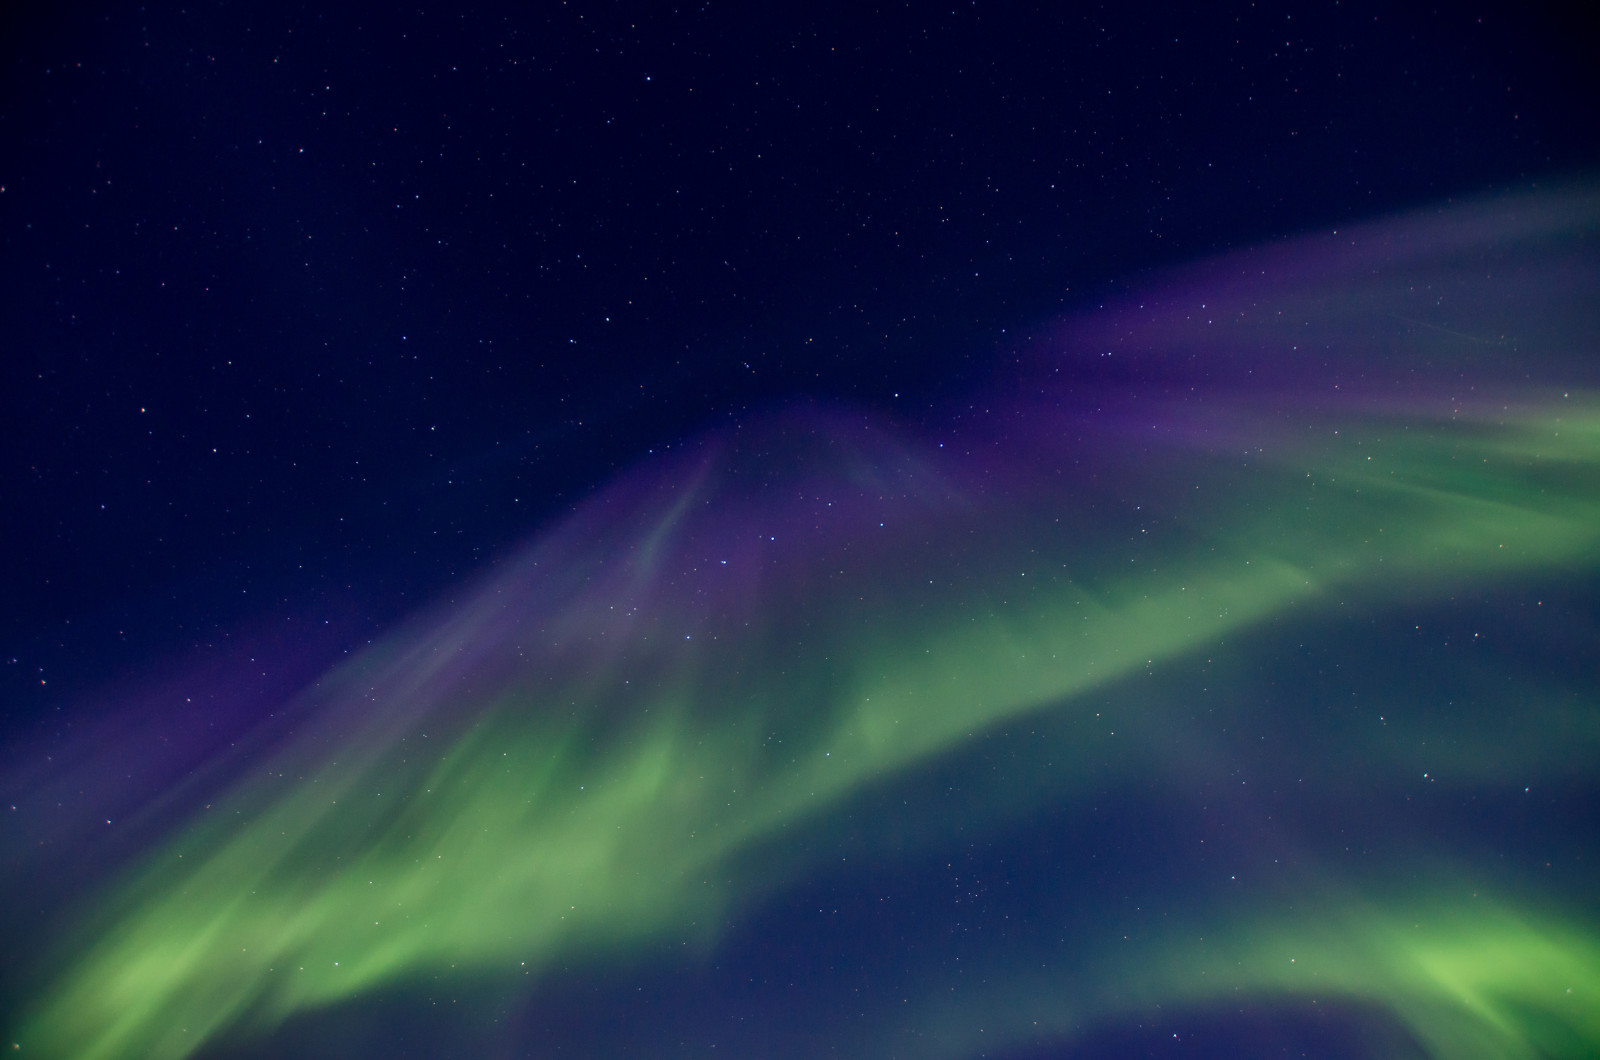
column 313, row 311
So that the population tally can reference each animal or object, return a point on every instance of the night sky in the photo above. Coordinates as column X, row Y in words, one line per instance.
column 325, row 328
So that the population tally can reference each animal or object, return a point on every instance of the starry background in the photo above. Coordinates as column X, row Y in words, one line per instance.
column 310, row 315
column 322, row 308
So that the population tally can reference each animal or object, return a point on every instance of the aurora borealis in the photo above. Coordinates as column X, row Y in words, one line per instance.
column 1258, row 602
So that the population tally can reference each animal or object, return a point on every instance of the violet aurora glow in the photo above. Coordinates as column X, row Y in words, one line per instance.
column 1259, row 546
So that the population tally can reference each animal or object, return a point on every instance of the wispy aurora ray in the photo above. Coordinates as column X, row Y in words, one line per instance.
column 669, row 709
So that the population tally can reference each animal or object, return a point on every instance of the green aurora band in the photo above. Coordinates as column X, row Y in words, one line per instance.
column 587, row 761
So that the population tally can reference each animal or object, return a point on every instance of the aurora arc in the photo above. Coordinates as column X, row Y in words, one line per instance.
column 601, row 750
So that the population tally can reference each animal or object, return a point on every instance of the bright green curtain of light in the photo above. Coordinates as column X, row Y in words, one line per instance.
column 496, row 827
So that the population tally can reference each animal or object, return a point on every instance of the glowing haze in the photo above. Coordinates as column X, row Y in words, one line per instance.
column 742, row 667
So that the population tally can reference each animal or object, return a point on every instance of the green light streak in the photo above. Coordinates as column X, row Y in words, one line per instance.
column 1471, row 978
column 366, row 857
